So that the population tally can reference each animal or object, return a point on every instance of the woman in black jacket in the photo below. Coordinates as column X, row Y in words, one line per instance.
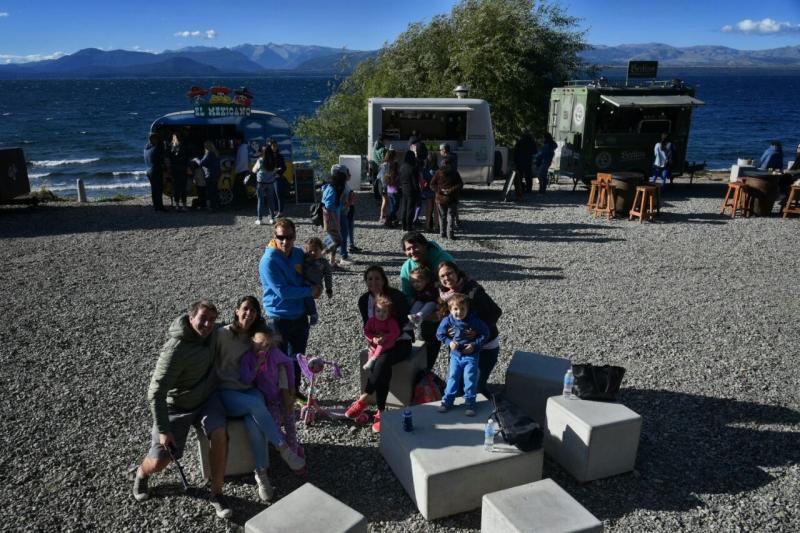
column 408, row 181
column 381, row 373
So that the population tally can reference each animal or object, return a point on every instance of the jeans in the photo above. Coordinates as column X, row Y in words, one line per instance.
column 212, row 193
column 448, row 214
column 294, row 332
column 345, row 229
column 277, row 194
column 408, row 204
column 264, row 193
column 157, row 189
column 466, row 366
column 351, row 220
column 393, row 206
column 260, row 425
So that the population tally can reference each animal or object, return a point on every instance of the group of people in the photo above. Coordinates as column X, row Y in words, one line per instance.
column 206, row 372
column 413, row 188
column 526, row 156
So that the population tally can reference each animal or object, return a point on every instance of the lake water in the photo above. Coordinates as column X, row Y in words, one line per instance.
column 96, row 129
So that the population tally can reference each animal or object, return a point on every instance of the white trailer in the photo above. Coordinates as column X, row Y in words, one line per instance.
column 463, row 123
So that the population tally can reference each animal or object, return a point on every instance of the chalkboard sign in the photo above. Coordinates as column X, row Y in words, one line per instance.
column 304, row 185
column 642, row 69
column 13, row 174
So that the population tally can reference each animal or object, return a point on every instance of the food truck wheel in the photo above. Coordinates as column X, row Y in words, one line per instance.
column 225, row 197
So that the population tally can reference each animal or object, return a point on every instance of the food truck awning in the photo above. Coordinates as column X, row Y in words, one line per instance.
column 431, row 107
column 662, row 100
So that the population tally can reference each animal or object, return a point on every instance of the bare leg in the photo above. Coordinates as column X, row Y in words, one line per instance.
column 219, row 456
column 150, row 466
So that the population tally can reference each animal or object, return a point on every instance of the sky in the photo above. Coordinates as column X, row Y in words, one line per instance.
column 41, row 29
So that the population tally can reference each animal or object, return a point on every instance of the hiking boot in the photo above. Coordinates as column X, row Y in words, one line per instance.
column 470, row 411
column 294, row 461
column 140, row 488
column 355, row 409
column 265, row 490
column 376, row 425
column 221, row 506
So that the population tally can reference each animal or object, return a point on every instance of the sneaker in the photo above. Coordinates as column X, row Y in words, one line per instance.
column 369, row 364
column 221, row 506
column 294, row 461
column 265, row 490
column 258, row 222
column 470, row 411
column 355, row 409
column 415, row 318
column 344, row 261
column 376, row 425
column 271, row 221
column 140, row 488
column 354, row 249
column 443, row 408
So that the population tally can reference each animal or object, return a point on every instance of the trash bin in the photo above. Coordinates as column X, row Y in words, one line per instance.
column 625, row 189
column 764, row 190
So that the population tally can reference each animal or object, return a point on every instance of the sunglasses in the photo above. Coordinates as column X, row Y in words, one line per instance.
column 284, row 237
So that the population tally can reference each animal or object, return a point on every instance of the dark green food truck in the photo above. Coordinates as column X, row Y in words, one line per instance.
column 221, row 119
column 601, row 127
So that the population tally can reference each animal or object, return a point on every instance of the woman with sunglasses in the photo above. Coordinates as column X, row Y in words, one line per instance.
column 280, row 270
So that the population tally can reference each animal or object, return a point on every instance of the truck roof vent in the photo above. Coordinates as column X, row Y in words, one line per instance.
column 461, row 91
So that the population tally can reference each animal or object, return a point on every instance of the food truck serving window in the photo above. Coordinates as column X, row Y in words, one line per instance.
column 430, row 124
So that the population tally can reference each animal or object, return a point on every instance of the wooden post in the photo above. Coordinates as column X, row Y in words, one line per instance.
column 81, row 191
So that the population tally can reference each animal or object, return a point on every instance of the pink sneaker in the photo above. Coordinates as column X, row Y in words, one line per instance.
column 376, row 425
column 355, row 409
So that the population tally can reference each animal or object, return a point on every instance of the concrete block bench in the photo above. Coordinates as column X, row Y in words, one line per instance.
column 442, row 464
column 240, row 456
column 531, row 379
column 307, row 510
column 540, row 507
column 591, row 440
column 401, row 387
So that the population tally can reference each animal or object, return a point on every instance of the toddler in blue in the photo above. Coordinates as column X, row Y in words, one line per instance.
column 464, row 334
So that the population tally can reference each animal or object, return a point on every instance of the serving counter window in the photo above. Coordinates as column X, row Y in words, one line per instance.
column 431, row 125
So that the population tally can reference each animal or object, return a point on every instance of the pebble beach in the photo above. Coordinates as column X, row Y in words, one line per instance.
column 701, row 310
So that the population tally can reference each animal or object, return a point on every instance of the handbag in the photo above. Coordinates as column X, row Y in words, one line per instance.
column 428, row 389
column 516, row 428
column 315, row 213
column 599, row 383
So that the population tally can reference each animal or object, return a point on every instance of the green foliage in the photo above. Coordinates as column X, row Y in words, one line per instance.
column 510, row 53
column 119, row 197
column 45, row 195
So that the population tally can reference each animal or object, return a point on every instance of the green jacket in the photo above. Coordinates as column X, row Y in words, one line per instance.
column 184, row 377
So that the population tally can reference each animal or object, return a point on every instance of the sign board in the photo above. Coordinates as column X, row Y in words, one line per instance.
column 304, row 185
column 13, row 174
column 642, row 69
column 203, row 109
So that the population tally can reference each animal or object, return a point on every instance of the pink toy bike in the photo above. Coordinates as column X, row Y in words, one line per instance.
column 312, row 367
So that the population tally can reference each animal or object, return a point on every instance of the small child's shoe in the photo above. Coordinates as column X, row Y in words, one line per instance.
column 376, row 425
column 444, row 408
column 355, row 409
column 294, row 461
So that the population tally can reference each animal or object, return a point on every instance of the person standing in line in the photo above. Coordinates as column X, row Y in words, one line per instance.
column 181, row 396
column 524, row 151
column 427, row 194
column 347, row 218
column 408, row 182
column 447, row 185
column 447, row 154
column 265, row 186
column 378, row 153
column 543, row 159
column 278, row 168
column 332, row 209
column 154, row 164
column 662, row 153
column 242, row 167
column 178, row 164
column 210, row 165
column 284, row 291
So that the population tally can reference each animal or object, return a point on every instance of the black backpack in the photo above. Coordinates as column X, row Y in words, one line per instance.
column 516, row 428
column 315, row 213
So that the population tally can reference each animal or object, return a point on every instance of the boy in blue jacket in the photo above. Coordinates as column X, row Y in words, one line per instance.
column 464, row 334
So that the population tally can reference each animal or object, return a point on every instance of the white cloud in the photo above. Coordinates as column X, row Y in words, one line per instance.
column 3, row 14
column 765, row 26
column 10, row 58
column 186, row 34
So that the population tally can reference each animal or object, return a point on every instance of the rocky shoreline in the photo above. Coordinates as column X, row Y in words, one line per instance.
column 699, row 308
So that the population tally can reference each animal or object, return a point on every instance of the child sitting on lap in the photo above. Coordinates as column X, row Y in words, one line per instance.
column 316, row 269
column 272, row 371
column 381, row 331
column 425, row 296
column 464, row 334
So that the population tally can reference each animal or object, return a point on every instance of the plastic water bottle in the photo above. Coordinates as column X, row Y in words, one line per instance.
column 488, row 435
column 408, row 422
column 569, row 380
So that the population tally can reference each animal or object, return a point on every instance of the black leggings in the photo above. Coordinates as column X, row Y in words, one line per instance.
column 381, row 374
column 432, row 344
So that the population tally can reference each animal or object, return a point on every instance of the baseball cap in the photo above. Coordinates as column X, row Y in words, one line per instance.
column 340, row 168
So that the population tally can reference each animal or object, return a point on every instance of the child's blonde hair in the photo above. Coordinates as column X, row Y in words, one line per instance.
column 458, row 299
column 384, row 302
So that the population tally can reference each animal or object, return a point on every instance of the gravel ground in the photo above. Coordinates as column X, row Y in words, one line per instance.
column 696, row 306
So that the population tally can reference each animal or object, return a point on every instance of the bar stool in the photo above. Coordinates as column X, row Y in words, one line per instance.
column 793, row 202
column 644, row 202
column 738, row 198
column 606, row 197
column 593, row 194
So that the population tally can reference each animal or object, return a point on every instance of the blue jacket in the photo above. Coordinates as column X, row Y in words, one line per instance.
column 460, row 327
column 282, row 281
column 545, row 157
column 771, row 158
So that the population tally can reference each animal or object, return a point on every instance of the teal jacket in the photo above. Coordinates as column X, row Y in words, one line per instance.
column 434, row 256
column 183, row 378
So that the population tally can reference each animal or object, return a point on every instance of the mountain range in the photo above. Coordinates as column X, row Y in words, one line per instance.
column 264, row 59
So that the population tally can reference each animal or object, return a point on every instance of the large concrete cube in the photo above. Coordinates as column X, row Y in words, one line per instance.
column 442, row 463
column 307, row 510
column 539, row 507
column 401, row 388
column 531, row 379
column 592, row 440
column 240, row 456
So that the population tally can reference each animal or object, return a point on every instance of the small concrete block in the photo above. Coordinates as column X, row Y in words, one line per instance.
column 592, row 440
column 401, row 387
column 442, row 463
column 539, row 507
column 307, row 510
column 240, row 456
column 531, row 379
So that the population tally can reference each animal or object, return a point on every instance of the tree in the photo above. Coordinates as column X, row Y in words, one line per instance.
column 510, row 53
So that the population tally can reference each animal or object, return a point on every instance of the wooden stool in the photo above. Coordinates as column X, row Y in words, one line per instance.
column 644, row 203
column 737, row 197
column 593, row 193
column 793, row 202
column 606, row 201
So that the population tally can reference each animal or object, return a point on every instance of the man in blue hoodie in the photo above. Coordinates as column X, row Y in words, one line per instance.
column 281, row 273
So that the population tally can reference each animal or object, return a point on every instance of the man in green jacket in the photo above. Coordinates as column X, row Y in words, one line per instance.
column 181, row 395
